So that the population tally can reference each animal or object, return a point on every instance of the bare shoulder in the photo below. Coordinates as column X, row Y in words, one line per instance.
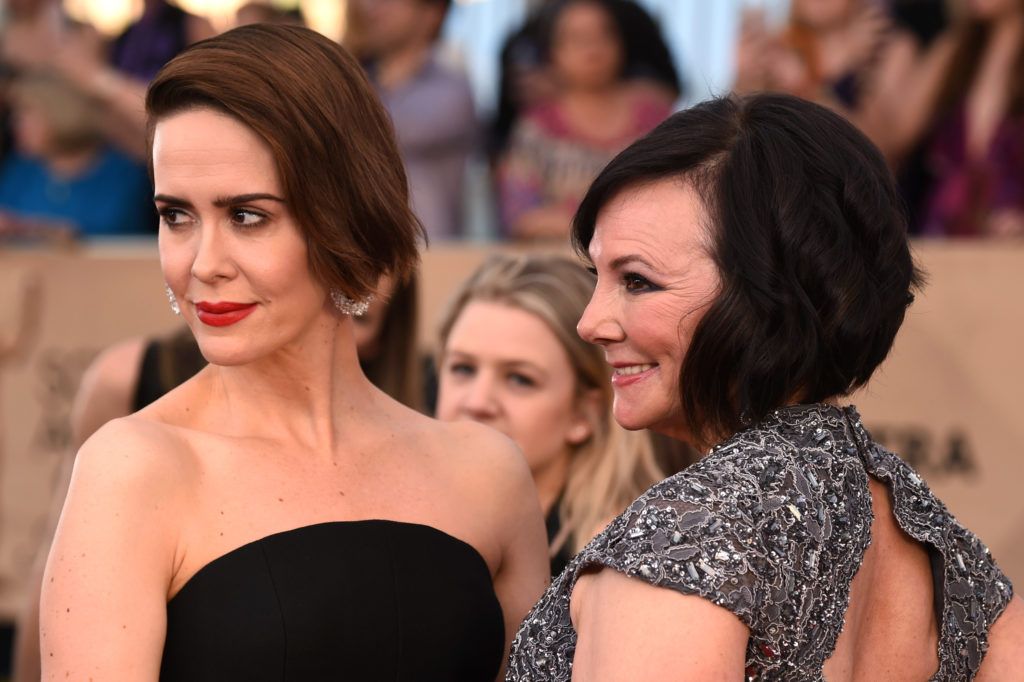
column 135, row 451
column 612, row 613
column 486, row 457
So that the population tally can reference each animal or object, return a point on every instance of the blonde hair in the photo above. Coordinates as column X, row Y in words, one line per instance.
column 611, row 468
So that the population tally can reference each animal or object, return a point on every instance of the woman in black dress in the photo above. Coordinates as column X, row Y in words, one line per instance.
column 277, row 517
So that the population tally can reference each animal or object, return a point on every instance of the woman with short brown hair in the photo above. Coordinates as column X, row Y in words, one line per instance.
column 277, row 517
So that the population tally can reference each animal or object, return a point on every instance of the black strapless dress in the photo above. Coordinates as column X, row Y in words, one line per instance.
column 345, row 600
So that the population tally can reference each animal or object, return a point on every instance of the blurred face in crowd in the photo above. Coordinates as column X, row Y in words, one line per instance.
column 823, row 14
column 655, row 280
column 229, row 247
column 33, row 131
column 586, row 50
column 503, row 367
column 392, row 25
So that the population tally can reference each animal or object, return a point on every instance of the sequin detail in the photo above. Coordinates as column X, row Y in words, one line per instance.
column 772, row 524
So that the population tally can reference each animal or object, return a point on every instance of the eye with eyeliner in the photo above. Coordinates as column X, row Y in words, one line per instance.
column 252, row 219
column 173, row 217
column 637, row 284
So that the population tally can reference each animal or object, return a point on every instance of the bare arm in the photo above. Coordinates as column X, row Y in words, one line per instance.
column 103, row 606
column 630, row 630
column 906, row 103
column 1006, row 646
column 524, row 571
column 105, row 394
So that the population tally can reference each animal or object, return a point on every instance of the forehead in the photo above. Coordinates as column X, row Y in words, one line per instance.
column 207, row 145
column 664, row 222
column 503, row 332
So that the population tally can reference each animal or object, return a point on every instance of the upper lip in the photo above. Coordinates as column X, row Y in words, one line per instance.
column 619, row 365
column 216, row 307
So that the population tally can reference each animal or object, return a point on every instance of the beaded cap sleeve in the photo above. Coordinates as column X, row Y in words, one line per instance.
column 772, row 525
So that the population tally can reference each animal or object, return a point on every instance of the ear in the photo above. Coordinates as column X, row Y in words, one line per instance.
column 586, row 418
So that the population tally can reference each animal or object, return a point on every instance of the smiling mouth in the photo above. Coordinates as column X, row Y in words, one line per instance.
column 632, row 369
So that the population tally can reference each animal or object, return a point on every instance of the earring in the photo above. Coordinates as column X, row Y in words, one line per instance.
column 349, row 307
column 175, row 308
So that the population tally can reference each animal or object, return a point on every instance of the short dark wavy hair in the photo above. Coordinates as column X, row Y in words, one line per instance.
column 809, row 235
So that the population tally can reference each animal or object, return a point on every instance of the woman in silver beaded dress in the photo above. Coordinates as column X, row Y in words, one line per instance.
column 753, row 268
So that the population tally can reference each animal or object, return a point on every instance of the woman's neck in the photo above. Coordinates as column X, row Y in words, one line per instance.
column 550, row 481
column 312, row 391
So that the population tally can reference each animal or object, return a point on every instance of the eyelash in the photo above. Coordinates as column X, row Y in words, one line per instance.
column 261, row 218
column 637, row 284
column 167, row 214
column 465, row 369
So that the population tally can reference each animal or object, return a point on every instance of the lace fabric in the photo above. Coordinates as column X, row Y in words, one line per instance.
column 773, row 524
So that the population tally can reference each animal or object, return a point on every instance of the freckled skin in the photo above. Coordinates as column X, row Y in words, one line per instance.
column 283, row 411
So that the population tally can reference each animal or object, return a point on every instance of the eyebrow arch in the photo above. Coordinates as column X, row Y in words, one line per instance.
column 220, row 202
column 623, row 261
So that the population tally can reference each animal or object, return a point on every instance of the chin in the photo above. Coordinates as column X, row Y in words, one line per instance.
column 630, row 417
column 227, row 354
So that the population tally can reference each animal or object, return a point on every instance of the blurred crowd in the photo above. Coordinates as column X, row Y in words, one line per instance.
column 935, row 83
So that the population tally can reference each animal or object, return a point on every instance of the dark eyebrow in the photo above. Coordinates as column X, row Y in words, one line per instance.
column 174, row 201
column 623, row 261
column 221, row 202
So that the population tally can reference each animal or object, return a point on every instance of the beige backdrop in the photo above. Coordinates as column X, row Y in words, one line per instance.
column 947, row 399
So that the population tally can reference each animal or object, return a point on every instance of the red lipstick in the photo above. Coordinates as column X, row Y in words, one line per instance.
column 222, row 313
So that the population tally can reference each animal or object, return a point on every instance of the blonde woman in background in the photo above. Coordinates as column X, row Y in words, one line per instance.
column 510, row 358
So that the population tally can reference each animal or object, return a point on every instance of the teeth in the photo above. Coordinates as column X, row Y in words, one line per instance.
column 632, row 369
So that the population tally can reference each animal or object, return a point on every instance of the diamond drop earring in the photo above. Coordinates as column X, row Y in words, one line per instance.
column 349, row 307
column 175, row 308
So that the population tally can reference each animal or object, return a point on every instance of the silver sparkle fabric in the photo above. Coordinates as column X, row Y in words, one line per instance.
column 772, row 525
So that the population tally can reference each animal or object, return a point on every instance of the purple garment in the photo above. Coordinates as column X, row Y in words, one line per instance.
column 436, row 127
column 151, row 42
column 965, row 192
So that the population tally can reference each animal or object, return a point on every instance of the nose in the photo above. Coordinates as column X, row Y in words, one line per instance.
column 598, row 324
column 212, row 255
column 480, row 400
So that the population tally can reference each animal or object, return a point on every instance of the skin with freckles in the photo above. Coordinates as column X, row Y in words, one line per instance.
column 653, row 286
column 281, row 431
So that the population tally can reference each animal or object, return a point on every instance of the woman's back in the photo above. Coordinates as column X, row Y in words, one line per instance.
column 786, row 525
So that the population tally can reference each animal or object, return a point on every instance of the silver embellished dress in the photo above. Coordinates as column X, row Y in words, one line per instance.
column 772, row 525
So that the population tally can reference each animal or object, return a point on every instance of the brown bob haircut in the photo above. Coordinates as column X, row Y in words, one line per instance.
column 331, row 140
column 808, row 233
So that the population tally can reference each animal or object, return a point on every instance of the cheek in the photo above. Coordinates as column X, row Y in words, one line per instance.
column 448, row 397
column 542, row 421
column 175, row 261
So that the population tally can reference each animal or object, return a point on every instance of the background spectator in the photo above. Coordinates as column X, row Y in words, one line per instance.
column 560, row 145
column 430, row 103
column 526, row 80
column 510, row 358
column 849, row 55
column 161, row 32
column 63, row 176
column 966, row 106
